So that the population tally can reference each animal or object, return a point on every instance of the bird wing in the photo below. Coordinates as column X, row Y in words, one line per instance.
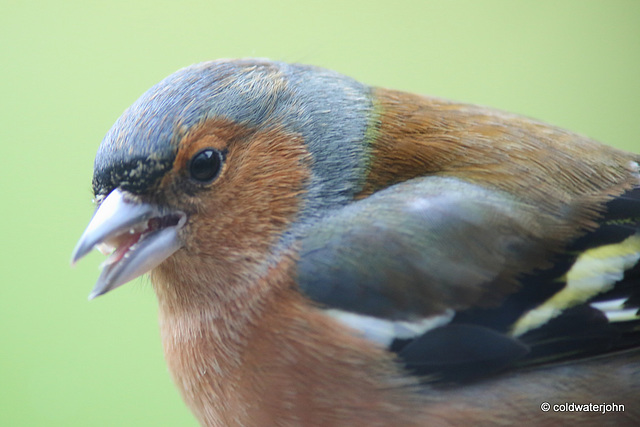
column 456, row 277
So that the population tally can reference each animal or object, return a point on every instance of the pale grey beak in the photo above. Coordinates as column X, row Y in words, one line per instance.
column 139, row 236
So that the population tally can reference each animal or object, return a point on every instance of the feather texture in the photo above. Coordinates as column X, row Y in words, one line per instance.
column 370, row 257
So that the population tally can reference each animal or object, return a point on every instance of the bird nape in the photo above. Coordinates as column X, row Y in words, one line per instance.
column 329, row 253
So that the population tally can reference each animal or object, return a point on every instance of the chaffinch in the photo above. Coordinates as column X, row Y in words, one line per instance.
column 333, row 254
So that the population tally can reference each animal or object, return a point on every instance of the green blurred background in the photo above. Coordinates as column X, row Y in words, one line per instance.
column 70, row 68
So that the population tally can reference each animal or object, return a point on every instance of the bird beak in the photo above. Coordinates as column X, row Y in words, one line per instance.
column 137, row 237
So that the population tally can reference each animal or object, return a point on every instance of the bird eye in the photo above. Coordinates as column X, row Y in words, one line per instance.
column 205, row 165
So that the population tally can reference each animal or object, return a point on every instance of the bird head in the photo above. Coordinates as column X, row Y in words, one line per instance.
column 224, row 162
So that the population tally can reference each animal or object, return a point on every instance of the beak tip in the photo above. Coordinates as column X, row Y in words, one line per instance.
column 100, row 288
column 74, row 259
column 79, row 252
column 94, row 294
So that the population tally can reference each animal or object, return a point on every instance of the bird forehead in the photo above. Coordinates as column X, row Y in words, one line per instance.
column 144, row 141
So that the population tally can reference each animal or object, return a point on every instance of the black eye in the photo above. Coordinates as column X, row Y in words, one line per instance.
column 205, row 165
